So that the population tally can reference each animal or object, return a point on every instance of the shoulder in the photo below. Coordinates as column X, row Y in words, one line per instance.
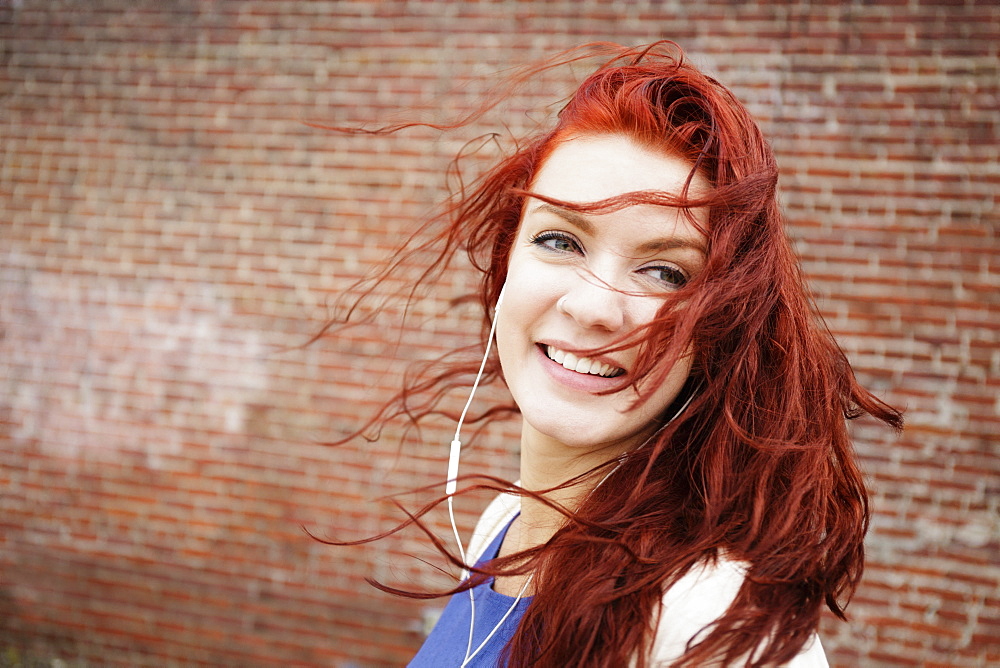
column 694, row 602
column 698, row 599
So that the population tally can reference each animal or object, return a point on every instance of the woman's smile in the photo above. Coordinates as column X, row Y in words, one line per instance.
column 582, row 364
column 578, row 373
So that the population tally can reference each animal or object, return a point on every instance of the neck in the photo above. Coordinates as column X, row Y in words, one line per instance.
column 547, row 464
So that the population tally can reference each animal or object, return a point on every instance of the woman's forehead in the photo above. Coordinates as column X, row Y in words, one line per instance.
column 592, row 168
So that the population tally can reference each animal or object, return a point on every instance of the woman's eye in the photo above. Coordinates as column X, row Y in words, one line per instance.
column 557, row 242
column 670, row 276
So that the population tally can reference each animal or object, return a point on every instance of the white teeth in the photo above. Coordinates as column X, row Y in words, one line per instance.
column 580, row 364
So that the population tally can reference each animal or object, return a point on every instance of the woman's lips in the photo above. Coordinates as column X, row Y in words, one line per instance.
column 581, row 365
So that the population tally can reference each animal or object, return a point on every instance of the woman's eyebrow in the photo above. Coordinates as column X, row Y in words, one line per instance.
column 580, row 221
column 673, row 243
column 572, row 217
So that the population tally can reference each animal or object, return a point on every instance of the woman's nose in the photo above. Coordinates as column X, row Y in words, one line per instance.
column 592, row 302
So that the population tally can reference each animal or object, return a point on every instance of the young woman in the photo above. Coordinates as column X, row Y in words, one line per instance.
column 688, row 493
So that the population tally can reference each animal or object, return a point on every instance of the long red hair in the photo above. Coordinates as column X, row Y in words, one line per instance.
column 757, row 467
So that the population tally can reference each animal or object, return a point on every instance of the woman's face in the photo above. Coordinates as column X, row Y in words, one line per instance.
column 580, row 281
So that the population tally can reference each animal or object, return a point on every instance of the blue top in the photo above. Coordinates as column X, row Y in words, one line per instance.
column 445, row 646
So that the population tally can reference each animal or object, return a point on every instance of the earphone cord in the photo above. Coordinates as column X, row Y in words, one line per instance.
column 482, row 366
column 520, row 595
column 452, row 483
column 461, row 551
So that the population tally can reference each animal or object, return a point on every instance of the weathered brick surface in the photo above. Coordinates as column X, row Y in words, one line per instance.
column 169, row 223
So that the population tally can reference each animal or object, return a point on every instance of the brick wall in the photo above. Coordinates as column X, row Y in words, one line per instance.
column 169, row 226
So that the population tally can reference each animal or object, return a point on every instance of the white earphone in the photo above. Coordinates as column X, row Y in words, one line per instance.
column 452, row 483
